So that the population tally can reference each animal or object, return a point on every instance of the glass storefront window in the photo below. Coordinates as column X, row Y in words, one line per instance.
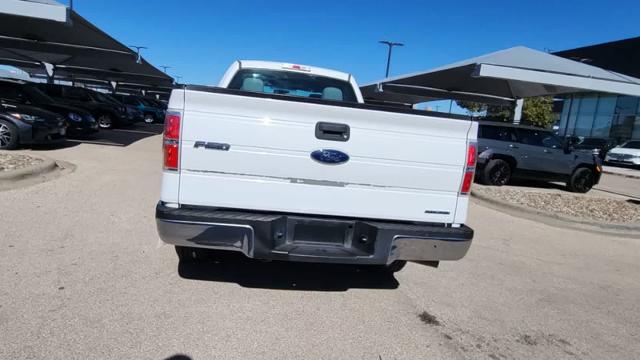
column 635, row 135
column 604, row 116
column 601, row 116
column 586, row 114
column 626, row 111
column 564, row 117
column 573, row 114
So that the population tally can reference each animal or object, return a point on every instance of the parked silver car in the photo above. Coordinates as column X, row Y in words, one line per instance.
column 625, row 154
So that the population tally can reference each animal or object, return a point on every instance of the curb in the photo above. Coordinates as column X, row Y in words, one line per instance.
column 47, row 165
column 558, row 220
column 622, row 175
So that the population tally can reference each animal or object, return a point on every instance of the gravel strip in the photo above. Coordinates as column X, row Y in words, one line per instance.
column 579, row 206
column 10, row 162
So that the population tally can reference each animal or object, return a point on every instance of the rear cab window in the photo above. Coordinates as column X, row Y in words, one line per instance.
column 293, row 84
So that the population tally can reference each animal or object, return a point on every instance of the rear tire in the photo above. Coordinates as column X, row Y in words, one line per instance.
column 8, row 136
column 191, row 254
column 581, row 180
column 497, row 172
column 105, row 121
column 394, row 267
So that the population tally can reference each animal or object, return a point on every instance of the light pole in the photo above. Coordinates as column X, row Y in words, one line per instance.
column 138, row 48
column 390, row 44
column 164, row 68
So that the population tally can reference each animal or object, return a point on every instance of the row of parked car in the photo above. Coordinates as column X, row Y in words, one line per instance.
column 32, row 113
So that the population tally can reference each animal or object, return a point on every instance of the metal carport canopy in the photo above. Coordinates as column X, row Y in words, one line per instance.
column 75, row 47
column 501, row 78
column 42, row 9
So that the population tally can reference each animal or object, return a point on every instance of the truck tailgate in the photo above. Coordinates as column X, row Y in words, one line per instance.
column 402, row 165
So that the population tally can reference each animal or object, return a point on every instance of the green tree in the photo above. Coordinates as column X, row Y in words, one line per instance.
column 538, row 111
column 474, row 108
column 499, row 113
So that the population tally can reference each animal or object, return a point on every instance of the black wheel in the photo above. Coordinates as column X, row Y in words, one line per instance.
column 8, row 135
column 497, row 173
column 105, row 121
column 394, row 267
column 190, row 254
column 581, row 181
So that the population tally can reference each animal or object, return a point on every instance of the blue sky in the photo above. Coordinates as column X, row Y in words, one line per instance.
column 199, row 39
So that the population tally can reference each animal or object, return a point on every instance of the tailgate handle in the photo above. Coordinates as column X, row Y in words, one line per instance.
column 332, row 131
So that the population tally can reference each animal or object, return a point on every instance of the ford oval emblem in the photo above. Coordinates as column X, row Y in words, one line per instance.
column 328, row 156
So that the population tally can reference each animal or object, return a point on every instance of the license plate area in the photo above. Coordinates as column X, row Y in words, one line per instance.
column 324, row 237
column 320, row 232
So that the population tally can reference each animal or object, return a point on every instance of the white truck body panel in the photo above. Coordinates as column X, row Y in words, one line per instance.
column 402, row 166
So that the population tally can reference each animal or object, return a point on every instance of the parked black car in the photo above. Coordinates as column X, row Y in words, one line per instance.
column 509, row 151
column 151, row 112
column 22, row 124
column 157, row 103
column 79, row 122
column 107, row 112
column 133, row 113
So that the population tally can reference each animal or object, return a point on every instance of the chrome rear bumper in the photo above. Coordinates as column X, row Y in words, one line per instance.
column 295, row 237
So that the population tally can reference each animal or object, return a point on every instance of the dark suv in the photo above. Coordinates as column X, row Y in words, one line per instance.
column 106, row 111
column 509, row 151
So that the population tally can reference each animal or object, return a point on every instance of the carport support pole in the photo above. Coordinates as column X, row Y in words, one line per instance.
column 50, row 70
column 517, row 111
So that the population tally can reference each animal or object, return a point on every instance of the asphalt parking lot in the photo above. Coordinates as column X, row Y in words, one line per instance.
column 83, row 276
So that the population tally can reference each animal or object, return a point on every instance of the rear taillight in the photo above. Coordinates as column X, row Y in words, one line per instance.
column 472, row 153
column 470, row 168
column 171, row 141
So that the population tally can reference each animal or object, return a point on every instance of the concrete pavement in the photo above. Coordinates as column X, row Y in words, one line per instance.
column 619, row 186
column 620, row 170
column 83, row 276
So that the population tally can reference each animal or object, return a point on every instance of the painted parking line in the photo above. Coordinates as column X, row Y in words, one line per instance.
column 95, row 142
column 136, row 131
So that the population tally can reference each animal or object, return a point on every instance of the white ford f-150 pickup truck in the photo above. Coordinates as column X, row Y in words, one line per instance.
column 287, row 162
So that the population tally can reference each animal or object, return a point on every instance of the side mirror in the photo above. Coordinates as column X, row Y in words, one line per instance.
column 567, row 147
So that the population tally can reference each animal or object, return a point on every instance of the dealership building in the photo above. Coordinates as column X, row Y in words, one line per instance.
column 601, row 115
